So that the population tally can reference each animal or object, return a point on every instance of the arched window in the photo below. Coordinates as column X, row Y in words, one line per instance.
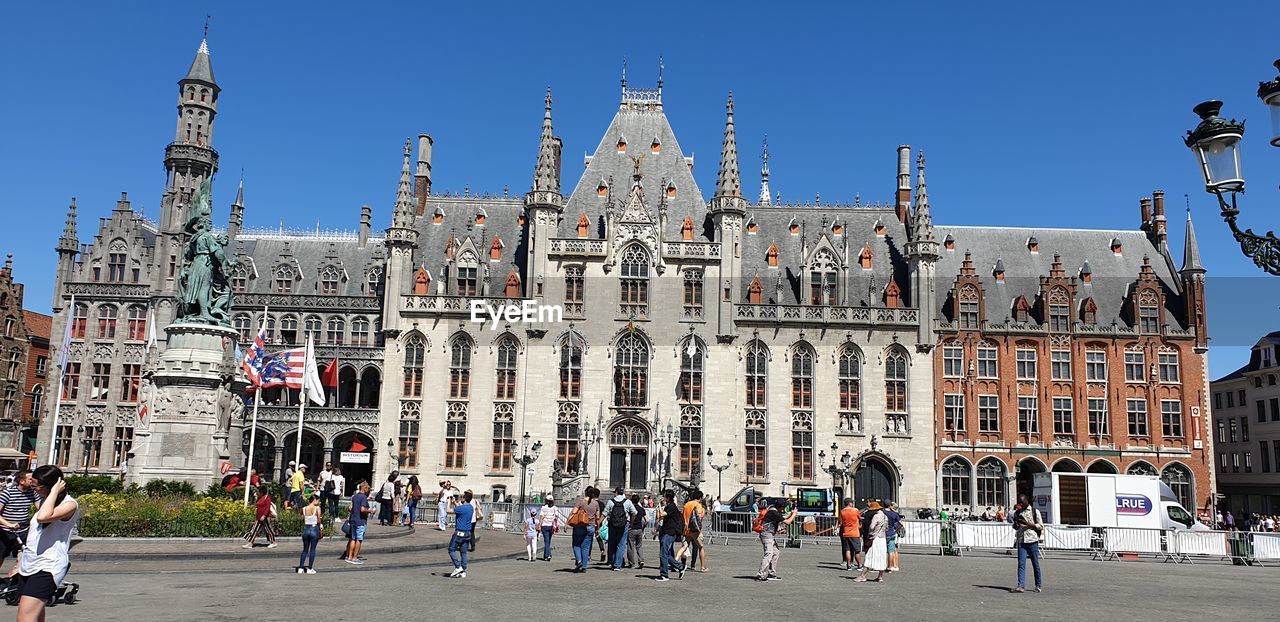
column 571, row 367
column 289, row 329
column 574, row 286
column 631, row 372
column 460, row 368
column 802, row 446
column 635, row 282
column 313, row 325
column 137, row 323
column 244, row 325
column 1148, row 312
column 691, row 356
column 239, row 280
column 505, row 373
column 756, row 444
column 567, row 436
column 1059, row 310
column 329, row 277
column 850, row 376
column 107, row 322
column 991, row 483
column 1141, row 468
column 968, row 315
column 415, row 349
column 1179, row 480
column 693, row 294
column 895, row 391
column 360, row 331
column 955, row 482
column 284, row 279
column 373, row 282
column 757, row 370
column 271, row 328
column 690, row 395
column 802, row 376
column 117, row 261
column 79, row 320
column 822, row 279
column 37, row 400
column 337, row 328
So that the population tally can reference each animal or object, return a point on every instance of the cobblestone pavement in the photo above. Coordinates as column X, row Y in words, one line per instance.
column 406, row 579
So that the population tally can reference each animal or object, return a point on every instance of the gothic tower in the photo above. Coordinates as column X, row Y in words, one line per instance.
column 922, row 256
column 544, row 203
column 1192, row 276
column 727, row 209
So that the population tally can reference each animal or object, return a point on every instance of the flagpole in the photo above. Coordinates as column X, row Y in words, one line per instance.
column 302, row 404
column 64, row 357
column 253, row 428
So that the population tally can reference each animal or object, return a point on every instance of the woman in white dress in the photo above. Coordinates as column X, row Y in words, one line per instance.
column 44, row 560
column 878, row 555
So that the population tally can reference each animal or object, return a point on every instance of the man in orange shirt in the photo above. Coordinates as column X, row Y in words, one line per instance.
column 851, row 534
column 694, row 515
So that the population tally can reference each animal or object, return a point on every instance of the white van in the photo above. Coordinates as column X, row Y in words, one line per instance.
column 1106, row 500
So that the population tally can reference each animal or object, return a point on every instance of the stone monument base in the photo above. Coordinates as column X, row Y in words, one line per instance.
column 184, row 436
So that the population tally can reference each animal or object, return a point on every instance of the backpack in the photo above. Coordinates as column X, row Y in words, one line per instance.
column 695, row 521
column 641, row 517
column 328, row 485
column 757, row 524
column 618, row 515
column 417, row 493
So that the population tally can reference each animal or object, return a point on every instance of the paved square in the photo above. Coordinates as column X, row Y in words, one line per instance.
column 410, row 585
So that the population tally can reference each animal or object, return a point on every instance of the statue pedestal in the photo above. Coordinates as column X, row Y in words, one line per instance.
column 184, row 437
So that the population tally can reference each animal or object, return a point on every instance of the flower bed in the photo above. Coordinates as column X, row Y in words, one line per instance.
column 139, row 515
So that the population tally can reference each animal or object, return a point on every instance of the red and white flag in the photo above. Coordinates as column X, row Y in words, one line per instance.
column 285, row 369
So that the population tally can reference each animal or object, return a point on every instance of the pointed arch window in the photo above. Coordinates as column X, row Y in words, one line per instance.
column 955, row 482
column 336, row 330
column 771, row 255
column 850, row 376
column 755, row 445
column 691, row 359
column 137, row 323
column 571, row 367
column 289, row 329
column 79, row 320
column 635, row 282
column 1180, row 482
column 757, row 370
column 414, row 357
column 373, row 282
column 284, row 280
column 895, row 391
column 1148, row 312
column 755, row 293
column 312, row 326
column 329, row 278
column 360, row 331
column 1089, row 312
column 468, row 283
column 822, row 278
column 692, row 294
column 690, row 439
column 631, row 372
column 243, row 325
column 802, row 376
column 455, row 436
column 969, row 315
column 802, row 446
column 107, row 322
column 505, row 374
column 991, row 483
column 574, row 291
column 1059, row 310
column 239, row 280
column 460, row 369
column 117, row 262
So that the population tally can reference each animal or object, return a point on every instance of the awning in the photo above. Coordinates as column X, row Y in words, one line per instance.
column 7, row 453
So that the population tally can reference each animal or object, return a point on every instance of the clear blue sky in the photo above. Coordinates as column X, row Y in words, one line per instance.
column 1029, row 116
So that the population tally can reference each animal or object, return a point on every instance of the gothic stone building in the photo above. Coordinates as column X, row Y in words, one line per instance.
column 17, row 340
column 666, row 329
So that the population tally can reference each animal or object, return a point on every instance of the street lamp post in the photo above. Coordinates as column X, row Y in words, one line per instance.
column 1216, row 145
column 528, row 457
column 720, row 469
column 833, row 469
column 392, row 461
column 669, row 439
column 588, row 436
column 846, row 462
column 84, row 442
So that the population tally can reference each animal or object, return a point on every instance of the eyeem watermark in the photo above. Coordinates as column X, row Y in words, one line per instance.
column 527, row 311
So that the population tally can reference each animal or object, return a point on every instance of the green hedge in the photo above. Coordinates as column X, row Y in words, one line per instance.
column 135, row 514
column 78, row 485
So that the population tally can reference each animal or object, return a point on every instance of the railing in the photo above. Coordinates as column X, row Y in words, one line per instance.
column 455, row 306
column 570, row 247
column 691, row 250
column 822, row 314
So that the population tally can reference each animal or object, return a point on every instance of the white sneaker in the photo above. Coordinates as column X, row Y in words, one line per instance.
column 272, row 545
column 463, row 575
column 311, row 570
column 247, row 546
column 456, row 572
column 300, row 571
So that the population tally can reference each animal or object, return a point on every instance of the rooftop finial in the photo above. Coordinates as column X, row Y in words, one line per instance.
column 624, row 75
column 661, row 66
column 764, row 172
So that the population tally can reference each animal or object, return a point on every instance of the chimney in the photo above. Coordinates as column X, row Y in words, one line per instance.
column 1158, row 224
column 366, row 218
column 1145, row 206
column 422, row 177
column 903, row 206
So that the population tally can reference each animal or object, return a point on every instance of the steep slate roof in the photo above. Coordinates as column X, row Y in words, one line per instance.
column 1113, row 275
column 858, row 230
column 502, row 219
column 310, row 253
column 201, row 68
column 639, row 128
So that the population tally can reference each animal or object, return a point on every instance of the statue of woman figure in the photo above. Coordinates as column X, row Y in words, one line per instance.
column 204, row 295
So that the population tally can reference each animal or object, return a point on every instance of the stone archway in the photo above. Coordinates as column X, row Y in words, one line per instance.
column 264, row 455
column 1102, row 466
column 1026, row 470
column 629, row 454
column 361, row 453
column 311, row 452
column 875, row 478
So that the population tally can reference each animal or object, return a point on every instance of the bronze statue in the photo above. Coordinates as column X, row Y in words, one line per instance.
column 204, row 290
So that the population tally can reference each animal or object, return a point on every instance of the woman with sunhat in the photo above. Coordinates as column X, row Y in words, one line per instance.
column 878, row 555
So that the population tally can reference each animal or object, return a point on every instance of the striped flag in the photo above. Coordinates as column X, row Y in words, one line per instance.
column 64, row 349
column 256, row 358
column 284, row 369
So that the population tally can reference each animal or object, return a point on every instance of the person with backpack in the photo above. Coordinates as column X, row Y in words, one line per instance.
column 413, row 494
column 1028, row 529
column 768, row 523
column 635, row 534
column 670, row 528
column 619, row 513
column 694, row 516
column 585, row 520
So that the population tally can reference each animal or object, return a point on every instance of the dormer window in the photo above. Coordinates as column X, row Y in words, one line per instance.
column 892, row 295
column 686, row 229
column 879, row 229
column 480, row 217
column 753, row 228
column 437, row 217
column 967, row 308
column 284, row 280
column 655, row 147
column 755, row 293
column 495, row 249
column 421, row 282
column 513, row 285
column 1089, row 312
column 1021, row 310
column 1059, row 310
column 1148, row 312
column 329, row 280
column 584, row 225
column 622, row 144
column 602, row 190
column 771, row 255
column 671, row 191
column 949, row 243
column 837, row 229
column 1116, row 246
column 998, row 271
column 794, row 227
column 822, row 279
column 1033, row 244
column 864, row 258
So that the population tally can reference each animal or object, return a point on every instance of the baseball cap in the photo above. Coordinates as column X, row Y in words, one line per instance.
column 302, row 467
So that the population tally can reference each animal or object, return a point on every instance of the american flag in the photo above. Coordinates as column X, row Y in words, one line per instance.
column 284, row 369
column 256, row 358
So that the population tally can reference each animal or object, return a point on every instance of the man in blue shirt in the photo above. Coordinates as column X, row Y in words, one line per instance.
column 464, row 521
column 891, row 534
column 359, row 510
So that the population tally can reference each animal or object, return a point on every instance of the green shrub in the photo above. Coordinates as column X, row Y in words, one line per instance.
column 78, row 485
column 167, row 488
column 133, row 514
